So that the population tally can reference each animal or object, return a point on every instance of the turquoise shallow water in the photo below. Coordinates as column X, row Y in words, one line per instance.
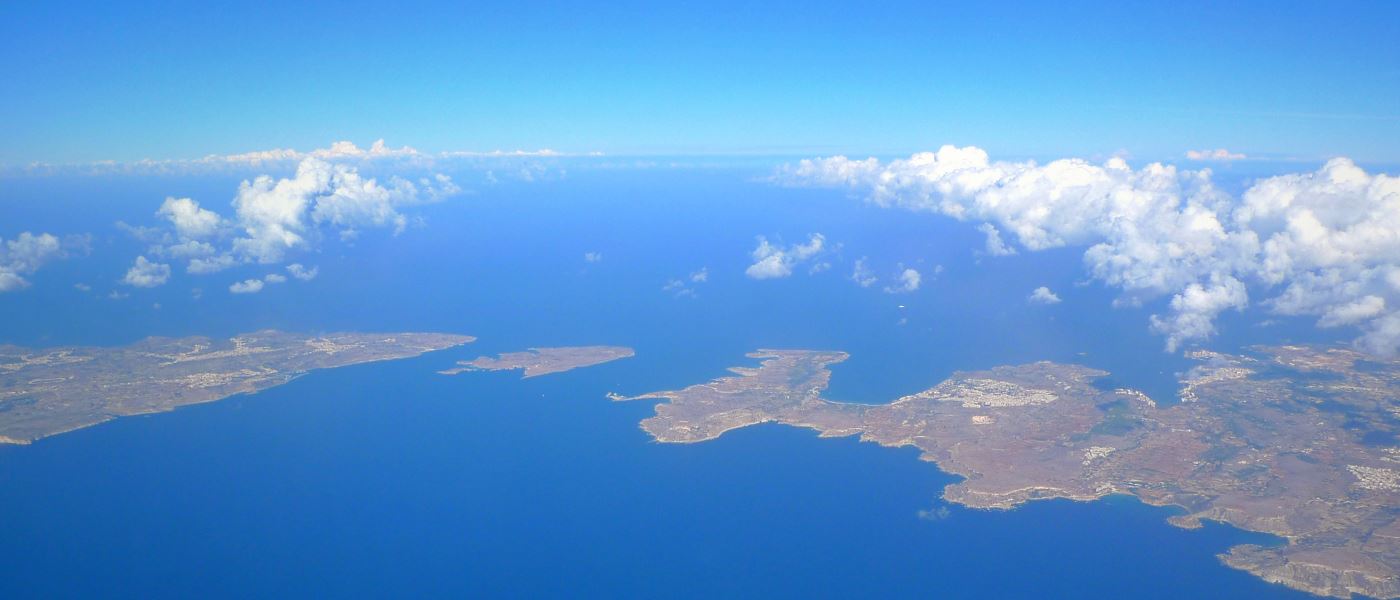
column 387, row 479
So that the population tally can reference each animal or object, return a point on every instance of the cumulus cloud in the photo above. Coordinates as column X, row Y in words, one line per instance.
column 273, row 217
column 190, row 221
column 275, row 278
column 1217, row 154
column 146, row 274
column 276, row 215
column 1324, row 244
column 24, row 255
column 1043, row 295
column 247, row 286
column 772, row 261
column 908, row 281
column 300, row 272
column 1194, row 310
column 378, row 149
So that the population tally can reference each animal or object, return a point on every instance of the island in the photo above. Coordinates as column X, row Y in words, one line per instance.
column 1295, row 441
column 543, row 361
column 45, row 392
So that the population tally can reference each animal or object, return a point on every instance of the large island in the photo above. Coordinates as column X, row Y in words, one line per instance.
column 1295, row 441
column 44, row 392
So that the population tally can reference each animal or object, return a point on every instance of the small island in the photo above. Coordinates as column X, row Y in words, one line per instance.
column 1300, row 442
column 543, row 361
column 49, row 391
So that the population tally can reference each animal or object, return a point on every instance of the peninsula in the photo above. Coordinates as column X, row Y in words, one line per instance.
column 1300, row 442
column 45, row 392
column 543, row 361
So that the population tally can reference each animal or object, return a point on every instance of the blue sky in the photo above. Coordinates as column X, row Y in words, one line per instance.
column 164, row 80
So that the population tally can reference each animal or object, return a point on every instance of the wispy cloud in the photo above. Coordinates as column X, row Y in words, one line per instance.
column 300, row 272
column 248, row 286
column 908, row 281
column 338, row 152
column 862, row 275
column 686, row 286
column 1219, row 154
column 774, row 262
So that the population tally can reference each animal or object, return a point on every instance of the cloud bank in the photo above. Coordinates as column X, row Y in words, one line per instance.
column 341, row 152
column 1324, row 244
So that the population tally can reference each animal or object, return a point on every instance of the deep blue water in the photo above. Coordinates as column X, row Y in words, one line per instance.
column 387, row 479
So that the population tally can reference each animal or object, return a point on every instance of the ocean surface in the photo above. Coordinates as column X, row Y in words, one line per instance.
column 388, row 479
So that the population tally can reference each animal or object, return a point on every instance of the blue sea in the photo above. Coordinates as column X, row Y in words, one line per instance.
column 388, row 479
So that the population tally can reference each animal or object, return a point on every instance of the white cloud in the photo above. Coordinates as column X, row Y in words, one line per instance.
column 24, row 255
column 300, row 272
column 342, row 151
column 677, row 287
column 1324, row 244
column 11, row 281
column 273, row 217
column 908, row 281
column 275, row 278
column 191, row 222
column 1363, row 308
column 213, row 264
column 773, row 262
column 1194, row 310
column 1217, row 154
column 995, row 245
column 378, row 149
column 278, row 215
column 247, row 286
column 189, row 249
column 592, row 257
column 862, row 274
column 686, row 286
column 1043, row 295
column 541, row 153
column 146, row 274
